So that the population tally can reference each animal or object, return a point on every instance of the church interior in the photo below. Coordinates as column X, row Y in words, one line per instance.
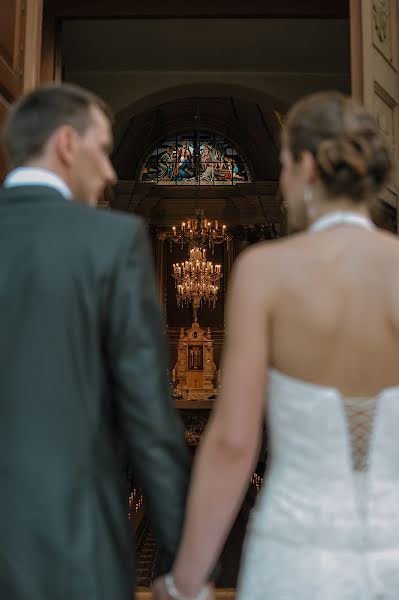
column 199, row 92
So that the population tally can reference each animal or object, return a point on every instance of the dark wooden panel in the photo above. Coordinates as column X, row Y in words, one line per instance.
column 48, row 49
column 11, row 40
column 20, row 40
column 3, row 115
column 10, row 82
column 51, row 56
column 8, row 22
column 11, row 47
column 207, row 8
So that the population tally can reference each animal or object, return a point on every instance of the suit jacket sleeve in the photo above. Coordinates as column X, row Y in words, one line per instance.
column 148, row 421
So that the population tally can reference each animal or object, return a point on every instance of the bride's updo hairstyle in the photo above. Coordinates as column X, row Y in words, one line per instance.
column 350, row 151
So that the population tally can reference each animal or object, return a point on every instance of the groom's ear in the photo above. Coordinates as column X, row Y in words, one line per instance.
column 63, row 145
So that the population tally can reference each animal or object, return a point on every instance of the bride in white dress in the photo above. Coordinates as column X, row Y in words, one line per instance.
column 314, row 320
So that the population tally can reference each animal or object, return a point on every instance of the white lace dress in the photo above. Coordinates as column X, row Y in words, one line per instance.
column 326, row 523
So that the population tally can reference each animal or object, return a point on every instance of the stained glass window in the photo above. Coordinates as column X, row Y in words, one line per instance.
column 195, row 158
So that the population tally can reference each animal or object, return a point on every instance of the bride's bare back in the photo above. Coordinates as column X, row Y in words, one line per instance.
column 333, row 303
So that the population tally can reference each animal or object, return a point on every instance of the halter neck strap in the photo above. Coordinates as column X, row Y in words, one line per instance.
column 342, row 217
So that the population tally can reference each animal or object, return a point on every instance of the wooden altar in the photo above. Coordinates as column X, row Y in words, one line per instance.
column 195, row 371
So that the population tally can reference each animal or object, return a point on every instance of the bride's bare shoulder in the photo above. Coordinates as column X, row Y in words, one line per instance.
column 272, row 258
column 275, row 250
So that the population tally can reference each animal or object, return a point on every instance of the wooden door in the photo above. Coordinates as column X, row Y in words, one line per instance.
column 375, row 72
column 20, row 42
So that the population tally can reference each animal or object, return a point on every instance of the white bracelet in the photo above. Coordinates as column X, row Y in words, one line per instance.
column 176, row 595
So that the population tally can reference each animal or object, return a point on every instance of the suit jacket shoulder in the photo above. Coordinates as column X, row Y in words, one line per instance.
column 108, row 220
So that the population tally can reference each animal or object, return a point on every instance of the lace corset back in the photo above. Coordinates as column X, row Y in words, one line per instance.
column 332, row 489
column 360, row 417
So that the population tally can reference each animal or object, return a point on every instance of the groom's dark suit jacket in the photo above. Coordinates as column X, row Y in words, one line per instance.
column 82, row 367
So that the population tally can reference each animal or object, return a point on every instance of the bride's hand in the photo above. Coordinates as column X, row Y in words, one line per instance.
column 160, row 592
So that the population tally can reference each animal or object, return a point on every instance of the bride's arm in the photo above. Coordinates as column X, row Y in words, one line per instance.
column 230, row 446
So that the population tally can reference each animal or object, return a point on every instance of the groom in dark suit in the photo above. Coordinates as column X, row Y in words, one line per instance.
column 82, row 364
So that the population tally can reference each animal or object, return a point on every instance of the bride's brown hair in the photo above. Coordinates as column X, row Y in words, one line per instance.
column 350, row 151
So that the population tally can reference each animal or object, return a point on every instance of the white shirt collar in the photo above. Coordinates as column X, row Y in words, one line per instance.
column 37, row 176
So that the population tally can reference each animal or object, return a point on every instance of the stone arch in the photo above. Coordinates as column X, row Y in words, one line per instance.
column 242, row 114
column 201, row 89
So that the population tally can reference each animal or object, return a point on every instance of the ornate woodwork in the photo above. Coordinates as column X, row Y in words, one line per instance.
column 194, row 373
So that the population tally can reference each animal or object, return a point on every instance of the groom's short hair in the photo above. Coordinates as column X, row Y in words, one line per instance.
column 34, row 118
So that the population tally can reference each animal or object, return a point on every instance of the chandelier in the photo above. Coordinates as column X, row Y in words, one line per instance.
column 199, row 231
column 197, row 281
